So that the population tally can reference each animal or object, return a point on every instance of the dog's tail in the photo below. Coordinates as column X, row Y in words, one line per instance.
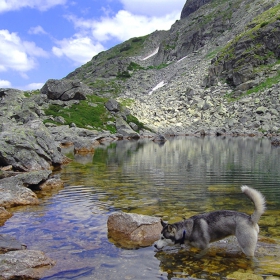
column 258, row 200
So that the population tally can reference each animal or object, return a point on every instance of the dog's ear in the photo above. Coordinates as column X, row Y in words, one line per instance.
column 163, row 223
column 171, row 229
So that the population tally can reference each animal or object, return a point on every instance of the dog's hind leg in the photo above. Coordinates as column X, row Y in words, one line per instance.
column 247, row 238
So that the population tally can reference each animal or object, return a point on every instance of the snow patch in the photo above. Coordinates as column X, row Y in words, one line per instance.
column 161, row 84
column 152, row 54
column 181, row 59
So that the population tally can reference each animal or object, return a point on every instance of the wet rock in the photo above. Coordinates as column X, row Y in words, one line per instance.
column 8, row 243
column 275, row 141
column 159, row 138
column 244, row 276
column 133, row 230
column 4, row 215
column 50, row 184
column 23, row 264
column 14, row 193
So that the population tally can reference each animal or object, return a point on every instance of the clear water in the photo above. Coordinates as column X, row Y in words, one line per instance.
column 183, row 177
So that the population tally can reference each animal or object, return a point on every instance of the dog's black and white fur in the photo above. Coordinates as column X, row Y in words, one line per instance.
column 200, row 230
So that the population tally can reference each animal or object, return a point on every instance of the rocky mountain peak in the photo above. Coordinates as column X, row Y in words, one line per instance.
column 192, row 6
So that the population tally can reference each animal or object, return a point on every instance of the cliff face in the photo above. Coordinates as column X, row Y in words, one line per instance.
column 218, row 52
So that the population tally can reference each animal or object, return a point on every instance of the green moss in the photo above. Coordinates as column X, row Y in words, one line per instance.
column 30, row 93
column 84, row 114
column 133, row 119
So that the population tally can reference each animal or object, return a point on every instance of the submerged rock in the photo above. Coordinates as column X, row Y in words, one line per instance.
column 8, row 243
column 23, row 264
column 133, row 230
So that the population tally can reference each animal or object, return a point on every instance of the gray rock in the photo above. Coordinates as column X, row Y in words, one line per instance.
column 191, row 6
column 124, row 129
column 13, row 191
column 29, row 147
column 113, row 105
column 23, row 264
column 65, row 90
column 8, row 243
column 15, row 195
column 133, row 230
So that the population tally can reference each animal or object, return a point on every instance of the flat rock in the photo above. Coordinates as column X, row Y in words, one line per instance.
column 133, row 230
column 8, row 243
column 23, row 264
column 13, row 193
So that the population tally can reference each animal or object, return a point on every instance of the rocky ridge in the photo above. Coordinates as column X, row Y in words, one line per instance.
column 179, row 81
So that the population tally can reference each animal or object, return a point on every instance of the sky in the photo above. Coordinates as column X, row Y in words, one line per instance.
column 48, row 39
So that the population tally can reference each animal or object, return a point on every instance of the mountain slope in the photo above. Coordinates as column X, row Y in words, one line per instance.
column 184, row 79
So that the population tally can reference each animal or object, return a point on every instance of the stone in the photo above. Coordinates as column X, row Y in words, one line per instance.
column 29, row 147
column 14, row 193
column 159, row 138
column 9, row 243
column 244, row 276
column 124, row 129
column 133, row 230
column 50, row 184
column 275, row 141
column 24, row 264
column 65, row 90
column 113, row 105
column 4, row 216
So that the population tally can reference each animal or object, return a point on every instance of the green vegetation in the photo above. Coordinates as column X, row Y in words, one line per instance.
column 259, row 22
column 30, row 93
column 268, row 83
column 88, row 113
column 133, row 119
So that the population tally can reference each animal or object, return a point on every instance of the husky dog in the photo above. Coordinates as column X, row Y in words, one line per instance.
column 200, row 230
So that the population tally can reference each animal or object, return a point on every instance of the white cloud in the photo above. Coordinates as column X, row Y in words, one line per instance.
column 158, row 8
column 42, row 5
column 33, row 86
column 123, row 25
column 79, row 49
column 94, row 34
column 37, row 30
column 16, row 54
column 5, row 84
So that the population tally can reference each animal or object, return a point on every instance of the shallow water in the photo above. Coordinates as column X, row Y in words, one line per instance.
column 183, row 177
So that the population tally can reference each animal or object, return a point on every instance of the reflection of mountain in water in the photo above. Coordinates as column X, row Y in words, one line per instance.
column 201, row 160
column 186, row 170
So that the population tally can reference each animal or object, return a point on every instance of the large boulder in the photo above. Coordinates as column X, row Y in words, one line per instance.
column 29, row 147
column 65, row 90
column 125, row 130
column 133, row 230
column 113, row 105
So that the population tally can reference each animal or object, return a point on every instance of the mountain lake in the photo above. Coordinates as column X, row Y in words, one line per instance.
column 180, row 178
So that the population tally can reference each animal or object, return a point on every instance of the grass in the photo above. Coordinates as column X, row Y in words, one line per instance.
column 268, row 83
column 84, row 115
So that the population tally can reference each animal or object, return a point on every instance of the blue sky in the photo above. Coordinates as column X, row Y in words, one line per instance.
column 48, row 39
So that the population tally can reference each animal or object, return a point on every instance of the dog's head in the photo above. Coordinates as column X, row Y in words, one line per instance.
column 167, row 237
column 172, row 234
